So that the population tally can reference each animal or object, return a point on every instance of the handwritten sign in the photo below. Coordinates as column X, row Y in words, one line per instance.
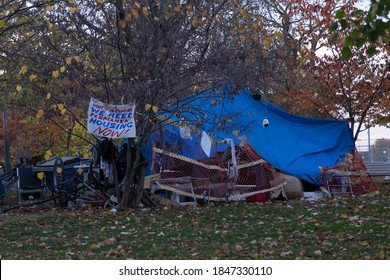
column 112, row 121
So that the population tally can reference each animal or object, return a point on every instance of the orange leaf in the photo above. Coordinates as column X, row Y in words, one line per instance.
column 145, row 11
column 194, row 22
column 40, row 113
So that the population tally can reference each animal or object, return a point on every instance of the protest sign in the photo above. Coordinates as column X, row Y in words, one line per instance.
column 112, row 121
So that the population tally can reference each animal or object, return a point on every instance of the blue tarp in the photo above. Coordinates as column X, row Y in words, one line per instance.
column 293, row 144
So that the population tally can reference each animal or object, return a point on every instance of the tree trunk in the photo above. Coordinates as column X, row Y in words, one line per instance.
column 139, row 188
column 116, row 181
column 129, row 198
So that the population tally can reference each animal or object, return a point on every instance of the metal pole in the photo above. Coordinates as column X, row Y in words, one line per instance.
column 6, row 143
column 369, row 146
column 7, row 155
column 388, row 154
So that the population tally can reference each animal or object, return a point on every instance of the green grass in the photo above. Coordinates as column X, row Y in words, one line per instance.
column 335, row 229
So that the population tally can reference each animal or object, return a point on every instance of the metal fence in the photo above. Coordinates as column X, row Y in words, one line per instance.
column 379, row 169
column 376, row 157
column 373, row 153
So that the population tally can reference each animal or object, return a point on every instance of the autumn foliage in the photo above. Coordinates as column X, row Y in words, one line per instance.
column 55, row 55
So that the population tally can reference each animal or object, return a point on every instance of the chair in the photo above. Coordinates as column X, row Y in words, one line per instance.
column 28, row 184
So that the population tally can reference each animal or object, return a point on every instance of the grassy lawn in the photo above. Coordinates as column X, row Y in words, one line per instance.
column 341, row 228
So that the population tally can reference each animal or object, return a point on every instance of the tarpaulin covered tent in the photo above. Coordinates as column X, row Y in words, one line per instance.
column 293, row 144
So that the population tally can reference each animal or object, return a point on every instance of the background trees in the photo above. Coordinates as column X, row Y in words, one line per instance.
column 147, row 52
column 314, row 78
column 354, row 80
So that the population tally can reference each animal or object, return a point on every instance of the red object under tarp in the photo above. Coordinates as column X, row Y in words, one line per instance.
column 260, row 197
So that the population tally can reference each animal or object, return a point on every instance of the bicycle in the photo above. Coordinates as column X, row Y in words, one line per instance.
column 75, row 191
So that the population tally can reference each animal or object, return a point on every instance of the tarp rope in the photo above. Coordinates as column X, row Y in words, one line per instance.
column 232, row 197
column 232, row 188
column 207, row 166
column 170, row 154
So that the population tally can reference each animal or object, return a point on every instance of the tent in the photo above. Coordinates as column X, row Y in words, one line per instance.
column 292, row 144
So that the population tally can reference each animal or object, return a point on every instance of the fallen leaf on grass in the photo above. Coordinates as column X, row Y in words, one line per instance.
column 286, row 254
column 317, row 253
column 238, row 248
column 95, row 246
column 110, row 240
